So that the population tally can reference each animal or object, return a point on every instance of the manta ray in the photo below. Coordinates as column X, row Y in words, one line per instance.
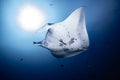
column 68, row 37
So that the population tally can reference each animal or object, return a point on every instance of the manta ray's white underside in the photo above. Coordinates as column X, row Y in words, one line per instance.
column 66, row 38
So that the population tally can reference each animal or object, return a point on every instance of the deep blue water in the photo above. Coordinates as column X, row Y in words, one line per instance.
column 20, row 60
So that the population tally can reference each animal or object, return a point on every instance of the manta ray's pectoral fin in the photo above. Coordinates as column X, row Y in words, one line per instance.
column 75, row 17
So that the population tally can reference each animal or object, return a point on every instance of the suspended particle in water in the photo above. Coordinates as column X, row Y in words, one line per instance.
column 51, row 4
column 21, row 59
column 61, row 65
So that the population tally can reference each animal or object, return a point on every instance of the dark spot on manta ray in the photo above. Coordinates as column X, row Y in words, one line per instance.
column 66, row 49
column 50, row 31
column 60, row 44
column 45, row 43
column 68, row 34
column 71, row 51
column 84, row 41
column 62, row 41
column 85, row 48
column 71, row 41
column 78, row 50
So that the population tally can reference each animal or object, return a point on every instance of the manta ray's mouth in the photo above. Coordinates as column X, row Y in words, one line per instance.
column 67, row 38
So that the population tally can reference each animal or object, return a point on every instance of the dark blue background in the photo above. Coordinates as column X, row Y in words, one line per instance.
column 20, row 60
